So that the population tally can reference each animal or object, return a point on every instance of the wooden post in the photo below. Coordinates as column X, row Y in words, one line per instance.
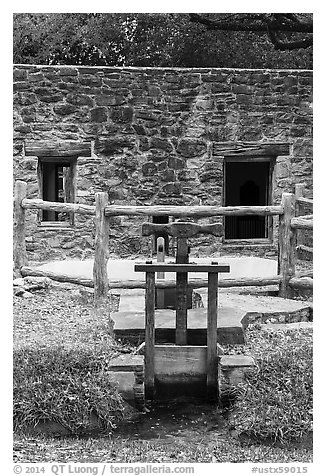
column 100, row 275
column 212, row 368
column 286, row 245
column 19, row 245
column 299, row 210
column 149, row 335
column 160, row 293
column 181, row 294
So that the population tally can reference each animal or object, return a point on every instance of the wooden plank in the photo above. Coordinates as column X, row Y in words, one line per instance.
column 182, row 268
column 101, row 256
column 149, row 335
column 212, row 378
column 39, row 204
column 182, row 259
column 172, row 360
column 19, row 245
column 51, row 148
column 286, row 245
column 182, row 229
column 191, row 211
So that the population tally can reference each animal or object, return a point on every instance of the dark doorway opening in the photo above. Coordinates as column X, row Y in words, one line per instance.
column 246, row 183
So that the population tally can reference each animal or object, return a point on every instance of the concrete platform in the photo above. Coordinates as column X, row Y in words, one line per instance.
column 235, row 313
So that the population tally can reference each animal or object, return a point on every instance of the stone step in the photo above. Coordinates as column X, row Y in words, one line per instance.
column 233, row 369
column 131, row 326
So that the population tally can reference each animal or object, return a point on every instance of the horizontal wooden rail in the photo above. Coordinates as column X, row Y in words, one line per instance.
column 303, row 223
column 194, row 283
column 38, row 204
column 305, row 201
column 190, row 211
column 301, row 283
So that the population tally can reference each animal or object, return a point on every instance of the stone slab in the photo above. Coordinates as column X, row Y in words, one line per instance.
column 131, row 325
column 127, row 363
column 228, row 361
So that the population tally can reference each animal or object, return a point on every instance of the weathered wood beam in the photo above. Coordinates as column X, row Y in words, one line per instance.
column 302, row 223
column 212, row 377
column 301, row 283
column 149, row 336
column 252, row 149
column 182, row 267
column 182, row 229
column 306, row 273
column 38, row 204
column 100, row 275
column 191, row 211
column 50, row 148
column 286, row 245
column 182, row 260
column 305, row 201
column 19, row 245
column 62, row 278
column 194, row 283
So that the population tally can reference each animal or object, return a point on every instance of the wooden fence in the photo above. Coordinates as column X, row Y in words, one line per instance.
column 288, row 226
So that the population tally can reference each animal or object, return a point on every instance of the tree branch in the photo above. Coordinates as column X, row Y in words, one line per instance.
column 288, row 45
column 271, row 24
column 251, row 25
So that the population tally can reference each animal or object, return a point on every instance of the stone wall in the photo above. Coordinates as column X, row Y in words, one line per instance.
column 157, row 137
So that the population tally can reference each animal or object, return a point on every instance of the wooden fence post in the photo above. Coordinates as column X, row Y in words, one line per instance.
column 19, row 245
column 100, row 275
column 286, row 245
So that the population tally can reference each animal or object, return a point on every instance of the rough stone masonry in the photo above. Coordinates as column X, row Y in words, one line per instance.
column 157, row 136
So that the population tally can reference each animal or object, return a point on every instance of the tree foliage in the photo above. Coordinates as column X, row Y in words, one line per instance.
column 146, row 39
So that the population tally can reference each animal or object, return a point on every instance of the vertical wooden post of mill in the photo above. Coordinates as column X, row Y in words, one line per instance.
column 160, row 293
column 19, row 245
column 102, row 227
column 286, row 245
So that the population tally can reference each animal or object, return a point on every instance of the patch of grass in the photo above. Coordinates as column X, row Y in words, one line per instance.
column 62, row 348
column 275, row 402
column 66, row 386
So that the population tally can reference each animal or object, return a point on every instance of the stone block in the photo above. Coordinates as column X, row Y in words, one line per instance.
column 79, row 99
column 35, row 77
column 68, row 71
column 233, row 369
column 99, row 114
column 189, row 147
column 122, row 114
column 90, row 80
column 25, row 99
column 64, row 109
column 20, row 75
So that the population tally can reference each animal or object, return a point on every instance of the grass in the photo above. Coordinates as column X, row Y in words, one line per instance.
column 275, row 402
column 59, row 330
column 176, row 450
